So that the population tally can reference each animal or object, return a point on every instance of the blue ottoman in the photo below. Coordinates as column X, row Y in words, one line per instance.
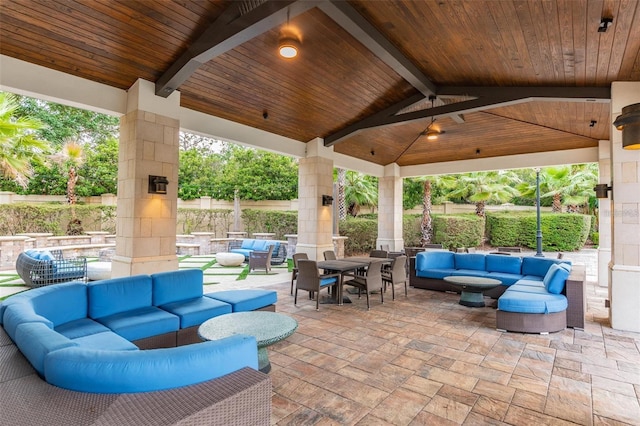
column 246, row 300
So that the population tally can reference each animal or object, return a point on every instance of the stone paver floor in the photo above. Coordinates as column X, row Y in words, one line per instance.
column 425, row 359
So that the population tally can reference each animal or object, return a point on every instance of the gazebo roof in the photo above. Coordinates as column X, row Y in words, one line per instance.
column 509, row 77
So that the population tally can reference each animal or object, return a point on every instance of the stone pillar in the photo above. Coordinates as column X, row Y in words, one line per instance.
column 315, row 179
column 204, row 240
column 390, row 209
column 146, row 224
column 604, row 215
column 624, row 275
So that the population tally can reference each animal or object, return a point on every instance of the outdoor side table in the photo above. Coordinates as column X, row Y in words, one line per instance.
column 267, row 327
column 472, row 288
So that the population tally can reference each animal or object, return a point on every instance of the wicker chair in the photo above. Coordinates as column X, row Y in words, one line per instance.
column 51, row 269
column 397, row 274
column 371, row 281
column 294, row 271
column 378, row 253
column 261, row 260
column 309, row 279
column 329, row 255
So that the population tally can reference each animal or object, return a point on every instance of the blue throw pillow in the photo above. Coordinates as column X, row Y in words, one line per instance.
column 554, row 279
column 34, row 254
column 46, row 255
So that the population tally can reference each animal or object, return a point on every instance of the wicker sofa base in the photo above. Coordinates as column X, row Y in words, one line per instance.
column 531, row 323
column 240, row 398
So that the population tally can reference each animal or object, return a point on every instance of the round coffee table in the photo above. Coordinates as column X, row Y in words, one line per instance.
column 267, row 327
column 472, row 288
column 229, row 259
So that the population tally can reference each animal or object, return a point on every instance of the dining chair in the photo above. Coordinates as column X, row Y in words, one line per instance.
column 294, row 271
column 261, row 259
column 310, row 279
column 378, row 253
column 329, row 255
column 369, row 282
column 397, row 274
column 384, row 247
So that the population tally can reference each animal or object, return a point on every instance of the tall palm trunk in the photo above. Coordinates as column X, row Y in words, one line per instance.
column 557, row 203
column 426, row 227
column 342, row 208
column 480, row 208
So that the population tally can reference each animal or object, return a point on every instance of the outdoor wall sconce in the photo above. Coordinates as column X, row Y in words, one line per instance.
column 602, row 190
column 327, row 200
column 158, row 184
column 629, row 123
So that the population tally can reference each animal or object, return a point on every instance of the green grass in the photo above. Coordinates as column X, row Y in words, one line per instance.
column 243, row 274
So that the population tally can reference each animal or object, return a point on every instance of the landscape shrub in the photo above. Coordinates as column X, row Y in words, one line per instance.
column 23, row 218
column 362, row 235
column 560, row 231
column 218, row 221
column 461, row 230
column 411, row 232
column 279, row 222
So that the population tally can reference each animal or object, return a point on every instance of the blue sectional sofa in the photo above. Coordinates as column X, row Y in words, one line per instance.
column 248, row 245
column 533, row 296
column 88, row 336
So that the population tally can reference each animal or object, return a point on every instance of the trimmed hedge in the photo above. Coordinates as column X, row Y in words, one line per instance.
column 462, row 230
column 218, row 221
column 362, row 235
column 279, row 222
column 560, row 231
column 20, row 218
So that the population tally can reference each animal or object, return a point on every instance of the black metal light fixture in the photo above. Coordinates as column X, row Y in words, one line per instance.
column 327, row 200
column 629, row 123
column 602, row 190
column 605, row 23
column 158, row 184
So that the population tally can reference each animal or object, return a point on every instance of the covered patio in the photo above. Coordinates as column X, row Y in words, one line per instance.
column 506, row 84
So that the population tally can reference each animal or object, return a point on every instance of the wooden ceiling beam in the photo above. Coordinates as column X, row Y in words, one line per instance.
column 362, row 30
column 487, row 97
column 230, row 30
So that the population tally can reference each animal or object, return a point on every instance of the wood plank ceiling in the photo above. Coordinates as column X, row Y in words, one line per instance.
column 510, row 76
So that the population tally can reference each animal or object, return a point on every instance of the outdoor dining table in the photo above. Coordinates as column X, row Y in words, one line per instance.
column 346, row 265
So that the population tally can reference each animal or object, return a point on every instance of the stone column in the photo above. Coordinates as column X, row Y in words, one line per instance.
column 315, row 179
column 146, row 224
column 604, row 215
column 624, row 278
column 390, row 209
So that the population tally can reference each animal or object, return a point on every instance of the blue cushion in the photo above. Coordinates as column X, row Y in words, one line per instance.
column 532, row 283
column 501, row 263
column 34, row 254
column 36, row 340
column 141, row 323
column 555, row 278
column 107, row 340
column 19, row 313
column 175, row 286
column 524, row 288
column 473, row 261
column 196, row 311
column 328, row 281
column 538, row 266
column 533, row 278
column 470, row 273
column 89, row 370
column 531, row 303
column 109, row 297
column 244, row 252
column 80, row 327
column 504, row 277
column 435, row 273
column 61, row 303
column 260, row 245
column 46, row 255
column 245, row 300
column 434, row 260
column 247, row 244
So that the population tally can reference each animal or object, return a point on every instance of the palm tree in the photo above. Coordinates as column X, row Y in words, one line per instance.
column 71, row 156
column 426, row 225
column 567, row 185
column 483, row 187
column 18, row 143
column 360, row 190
